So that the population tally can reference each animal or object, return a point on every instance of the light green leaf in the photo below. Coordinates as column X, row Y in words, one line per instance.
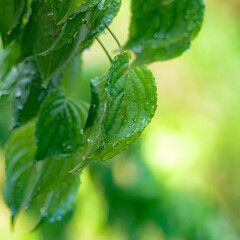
column 8, row 59
column 163, row 29
column 8, row 84
column 72, row 75
column 59, row 126
column 123, row 104
column 20, row 153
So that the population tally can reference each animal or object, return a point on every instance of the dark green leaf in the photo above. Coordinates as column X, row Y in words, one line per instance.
column 58, row 203
column 20, row 153
column 86, row 24
column 6, row 18
column 28, row 94
column 63, row 10
column 59, row 126
column 163, row 29
column 54, row 46
column 11, row 14
column 123, row 104
column 88, row 5
column 51, row 174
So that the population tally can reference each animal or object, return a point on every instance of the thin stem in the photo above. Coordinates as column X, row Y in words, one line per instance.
column 105, row 50
column 115, row 38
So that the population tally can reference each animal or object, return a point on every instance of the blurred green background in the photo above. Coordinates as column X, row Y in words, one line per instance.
column 180, row 181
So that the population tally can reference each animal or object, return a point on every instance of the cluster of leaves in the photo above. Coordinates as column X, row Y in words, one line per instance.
column 54, row 137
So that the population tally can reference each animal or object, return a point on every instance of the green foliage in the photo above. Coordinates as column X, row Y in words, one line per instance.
column 169, row 31
column 55, row 136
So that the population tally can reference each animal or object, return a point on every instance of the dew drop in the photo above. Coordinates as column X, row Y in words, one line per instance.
column 116, row 145
column 18, row 92
column 25, row 207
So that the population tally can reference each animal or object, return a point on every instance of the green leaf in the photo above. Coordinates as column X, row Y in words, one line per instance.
column 163, row 29
column 88, row 5
column 54, row 46
column 6, row 18
column 63, row 10
column 85, row 24
column 58, row 203
column 28, row 94
column 123, row 104
column 8, row 84
column 59, row 126
column 8, row 59
column 71, row 75
column 20, row 153
column 11, row 14
column 51, row 174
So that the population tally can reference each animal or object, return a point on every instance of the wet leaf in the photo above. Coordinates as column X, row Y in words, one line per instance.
column 8, row 59
column 72, row 75
column 51, row 174
column 28, row 93
column 85, row 24
column 123, row 104
column 59, row 126
column 11, row 14
column 168, row 32
column 20, row 153
column 58, row 203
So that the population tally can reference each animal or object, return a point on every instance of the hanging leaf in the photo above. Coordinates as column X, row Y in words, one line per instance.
column 20, row 153
column 59, row 126
column 163, row 29
column 87, row 24
column 58, row 203
column 51, row 174
column 123, row 104
column 8, row 59
column 28, row 94
column 8, row 84
column 72, row 75
column 11, row 14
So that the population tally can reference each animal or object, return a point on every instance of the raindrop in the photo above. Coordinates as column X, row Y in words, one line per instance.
column 25, row 207
column 18, row 92
column 116, row 145
column 20, row 107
